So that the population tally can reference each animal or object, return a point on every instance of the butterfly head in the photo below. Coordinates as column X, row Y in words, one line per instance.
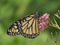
column 13, row 30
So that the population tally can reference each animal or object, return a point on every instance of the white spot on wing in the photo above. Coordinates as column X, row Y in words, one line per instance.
column 17, row 30
column 15, row 26
column 9, row 30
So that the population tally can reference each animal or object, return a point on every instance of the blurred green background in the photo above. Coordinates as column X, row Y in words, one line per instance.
column 12, row 10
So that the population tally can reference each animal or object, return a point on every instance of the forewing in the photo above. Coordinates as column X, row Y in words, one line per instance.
column 13, row 29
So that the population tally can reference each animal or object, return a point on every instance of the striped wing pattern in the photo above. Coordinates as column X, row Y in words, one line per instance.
column 28, row 27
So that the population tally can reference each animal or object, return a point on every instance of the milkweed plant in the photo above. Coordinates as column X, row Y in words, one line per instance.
column 45, row 21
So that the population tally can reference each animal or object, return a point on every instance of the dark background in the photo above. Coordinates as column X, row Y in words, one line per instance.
column 12, row 10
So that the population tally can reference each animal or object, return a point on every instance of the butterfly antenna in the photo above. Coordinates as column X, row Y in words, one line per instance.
column 36, row 13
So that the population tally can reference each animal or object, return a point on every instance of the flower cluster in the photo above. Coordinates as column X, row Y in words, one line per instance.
column 44, row 21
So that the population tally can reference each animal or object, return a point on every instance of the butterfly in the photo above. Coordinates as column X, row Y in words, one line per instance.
column 27, row 26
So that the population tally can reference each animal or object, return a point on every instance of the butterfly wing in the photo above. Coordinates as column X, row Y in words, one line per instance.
column 13, row 30
column 29, row 26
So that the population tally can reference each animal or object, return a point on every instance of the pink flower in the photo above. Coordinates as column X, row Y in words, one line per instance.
column 41, row 26
column 44, row 21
